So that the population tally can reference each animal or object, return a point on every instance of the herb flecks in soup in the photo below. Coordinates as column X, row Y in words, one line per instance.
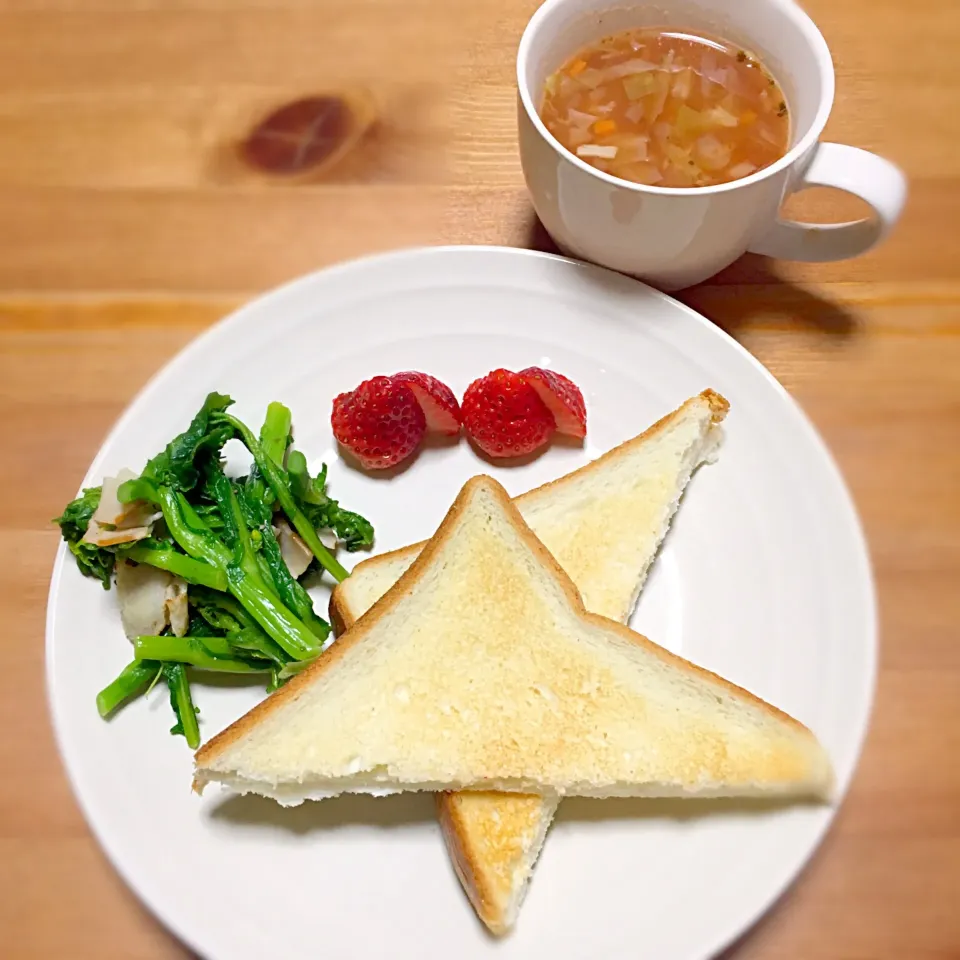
column 662, row 107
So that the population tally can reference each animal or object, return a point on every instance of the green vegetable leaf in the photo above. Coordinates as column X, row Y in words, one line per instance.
column 182, row 703
column 277, row 620
column 219, row 613
column 207, row 653
column 93, row 561
column 353, row 531
column 279, row 481
column 276, row 433
column 248, row 614
column 132, row 681
column 76, row 515
column 179, row 464
column 259, row 519
column 166, row 555
column 209, row 513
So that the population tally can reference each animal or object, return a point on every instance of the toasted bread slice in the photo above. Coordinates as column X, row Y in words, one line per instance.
column 607, row 518
column 481, row 668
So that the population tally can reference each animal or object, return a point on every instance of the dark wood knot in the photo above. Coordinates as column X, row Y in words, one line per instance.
column 305, row 134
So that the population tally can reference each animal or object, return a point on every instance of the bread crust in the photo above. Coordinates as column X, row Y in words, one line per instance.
column 408, row 582
column 474, row 882
column 342, row 617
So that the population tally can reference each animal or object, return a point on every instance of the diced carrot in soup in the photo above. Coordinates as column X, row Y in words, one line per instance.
column 668, row 108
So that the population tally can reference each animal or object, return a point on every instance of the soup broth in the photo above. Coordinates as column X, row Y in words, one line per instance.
column 668, row 108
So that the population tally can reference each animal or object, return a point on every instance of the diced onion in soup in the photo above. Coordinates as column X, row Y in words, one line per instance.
column 640, row 85
column 578, row 119
column 631, row 147
column 744, row 169
column 719, row 76
column 734, row 84
column 710, row 153
column 591, row 77
column 721, row 117
column 597, row 150
column 660, row 101
column 682, row 174
column 708, row 68
column 682, row 84
column 764, row 133
column 637, row 148
column 568, row 87
column 730, row 104
column 689, row 122
column 634, row 113
column 638, row 172
column 678, row 156
column 627, row 69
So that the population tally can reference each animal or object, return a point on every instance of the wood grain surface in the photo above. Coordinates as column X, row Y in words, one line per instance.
column 127, row 226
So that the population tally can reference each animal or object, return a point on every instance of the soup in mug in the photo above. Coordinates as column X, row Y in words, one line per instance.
column 668, row 108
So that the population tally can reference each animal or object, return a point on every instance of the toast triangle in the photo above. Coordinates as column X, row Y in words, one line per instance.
column 481, row 668
column 604, row 524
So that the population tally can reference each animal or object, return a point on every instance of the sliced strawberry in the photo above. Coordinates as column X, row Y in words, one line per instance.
column 504, row 416
column 380, row 422
column 436, row 399
column 563, row 399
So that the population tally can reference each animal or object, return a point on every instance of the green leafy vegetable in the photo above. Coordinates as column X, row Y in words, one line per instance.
column 219, row 613
column 202, row 652
column 93, row 561
column 132, row 681
column 76, row 515
column 275, row 434
column 276, row 477
column 248, row 614
column 256, row 515
column 310, row 493
column 165, row 557
column 177, row 465
column 263, row 605
column 182, row 703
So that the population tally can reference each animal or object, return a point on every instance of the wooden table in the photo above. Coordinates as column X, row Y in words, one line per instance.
column 127, row 226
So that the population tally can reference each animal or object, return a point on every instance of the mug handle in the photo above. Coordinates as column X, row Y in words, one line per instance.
column 859, row 172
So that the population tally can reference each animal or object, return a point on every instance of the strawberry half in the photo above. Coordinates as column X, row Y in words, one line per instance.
column 504, row 416
column 436, row 399
column 380, row 422
column 562, row 398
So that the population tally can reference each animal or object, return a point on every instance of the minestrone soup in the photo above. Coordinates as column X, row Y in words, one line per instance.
column 665, row 107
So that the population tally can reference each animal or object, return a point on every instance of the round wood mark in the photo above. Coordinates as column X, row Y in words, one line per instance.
column 298, row 136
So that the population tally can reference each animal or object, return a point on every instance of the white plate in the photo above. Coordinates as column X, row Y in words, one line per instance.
column 764, row 578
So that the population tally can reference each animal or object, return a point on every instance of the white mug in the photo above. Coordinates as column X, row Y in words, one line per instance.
column 675, row 237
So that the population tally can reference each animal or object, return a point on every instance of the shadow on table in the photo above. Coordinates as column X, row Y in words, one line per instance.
column 750, row 292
